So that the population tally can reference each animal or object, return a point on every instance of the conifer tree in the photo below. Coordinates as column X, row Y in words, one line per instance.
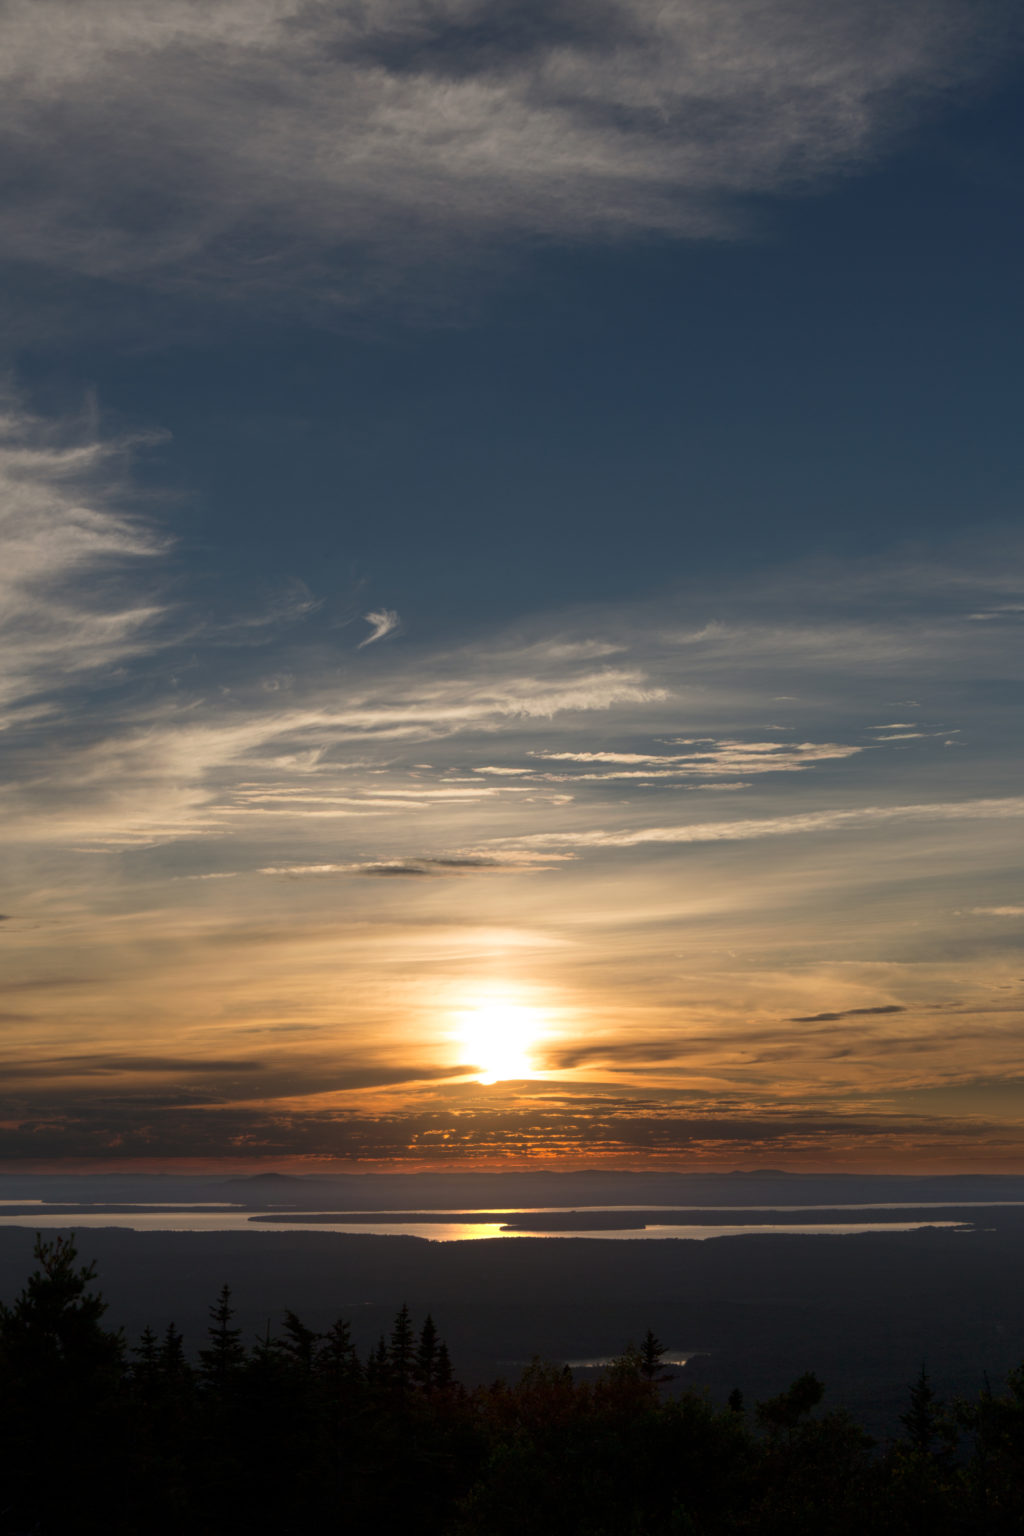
column 425, row 1365
column 54, row 1326
column 921, row 1420
column 147, row 1358
column 443, row 1374
column 377, row 1363
column 401, row 1348
column 336, row 1357
column 266, row 1351
column 225, row 1353
column 60, row 1376
column 299, row 1343
column 651, row 1351
column 173, row 1365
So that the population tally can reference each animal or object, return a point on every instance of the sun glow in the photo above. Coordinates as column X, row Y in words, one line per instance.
column 498, row 1038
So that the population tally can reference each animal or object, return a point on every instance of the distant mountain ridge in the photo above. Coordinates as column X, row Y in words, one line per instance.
column 476, row 1189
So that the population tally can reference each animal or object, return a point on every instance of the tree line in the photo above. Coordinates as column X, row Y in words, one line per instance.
column 295, row 1432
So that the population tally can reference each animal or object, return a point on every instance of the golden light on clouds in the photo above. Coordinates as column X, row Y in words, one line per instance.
column 713, row 892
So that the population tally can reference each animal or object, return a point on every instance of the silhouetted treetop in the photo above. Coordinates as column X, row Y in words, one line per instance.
column 225, row 1353
column 55, row 1323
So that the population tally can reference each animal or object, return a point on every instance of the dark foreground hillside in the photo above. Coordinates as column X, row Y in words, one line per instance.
column 299, row 1431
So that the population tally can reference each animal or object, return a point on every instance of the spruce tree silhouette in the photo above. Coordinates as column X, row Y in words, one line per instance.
column 651, row 1351
column 146, row 1370
column 378, row 1366
column 60, row 1371
column 401, row 1349
column 225, row 1354
column 266, row 1353
column 53, row 1331
column 336, row 1359
column 173, row 1365
column 425, row 1366
column 444, row 1376
column 299, row 1345
column 922, row 1418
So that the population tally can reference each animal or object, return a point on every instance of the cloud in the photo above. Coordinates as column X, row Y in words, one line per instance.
column 384, row 621
column 106, row 1065
column 185, row 766
column 1009, row 808
column 589, row 1127
column 452, row 864
column 998, row 911
column 717, row 757
column 85, row 1115
column 289, row 603
column 628, row 1052
column 360, row 895
column 999, row 611
column 70, row 546
column 846, row 1013
column 245, row 145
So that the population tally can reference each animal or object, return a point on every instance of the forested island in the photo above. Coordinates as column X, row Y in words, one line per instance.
column 295, row 1431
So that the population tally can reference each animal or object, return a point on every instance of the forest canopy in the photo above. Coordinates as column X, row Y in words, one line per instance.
column 293, row 1430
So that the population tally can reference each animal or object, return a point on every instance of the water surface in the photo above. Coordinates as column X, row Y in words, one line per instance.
column 439, row 1227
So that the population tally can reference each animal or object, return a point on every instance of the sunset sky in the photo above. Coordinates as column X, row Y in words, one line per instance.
column 512, row 584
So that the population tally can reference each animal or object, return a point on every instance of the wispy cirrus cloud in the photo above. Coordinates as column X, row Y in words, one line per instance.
column 705, row 760
column 70, row 542
column 1009, row 808
column 383, row 622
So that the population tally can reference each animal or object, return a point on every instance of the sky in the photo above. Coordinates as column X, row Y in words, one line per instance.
column 512, row 585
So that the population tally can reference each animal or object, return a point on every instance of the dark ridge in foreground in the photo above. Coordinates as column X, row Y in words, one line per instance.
column 298, row 1431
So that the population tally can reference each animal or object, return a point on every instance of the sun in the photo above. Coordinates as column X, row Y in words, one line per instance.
column 498, row 1038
